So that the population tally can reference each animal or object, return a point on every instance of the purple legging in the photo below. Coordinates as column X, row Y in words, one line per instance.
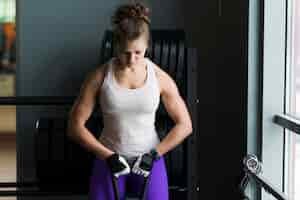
column 101, row 187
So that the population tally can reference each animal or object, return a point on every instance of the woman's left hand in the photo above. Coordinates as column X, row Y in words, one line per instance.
column 143, row 165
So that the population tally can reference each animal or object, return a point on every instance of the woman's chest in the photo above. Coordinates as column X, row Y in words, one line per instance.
column 131, row 81
column 130, row 101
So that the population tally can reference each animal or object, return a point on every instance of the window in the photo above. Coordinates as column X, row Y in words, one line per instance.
column 292, row 149
column 7, row 11
column 278, row 72
column 266, row 91
column 8, row 154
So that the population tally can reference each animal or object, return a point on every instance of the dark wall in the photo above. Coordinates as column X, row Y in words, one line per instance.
column 201, row 26
column 219, row 30
column 58, row 37
column 232, row 95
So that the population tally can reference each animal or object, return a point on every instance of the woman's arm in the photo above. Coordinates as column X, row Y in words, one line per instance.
column 176, row 109
column 81, row 111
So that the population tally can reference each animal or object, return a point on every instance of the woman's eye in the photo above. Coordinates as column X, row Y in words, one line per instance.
column 126, row 54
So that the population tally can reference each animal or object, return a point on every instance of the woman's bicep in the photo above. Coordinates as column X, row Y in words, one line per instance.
column 172, row 100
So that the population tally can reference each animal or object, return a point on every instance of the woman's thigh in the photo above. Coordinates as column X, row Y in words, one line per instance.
column 101, row 182
column 157, row 187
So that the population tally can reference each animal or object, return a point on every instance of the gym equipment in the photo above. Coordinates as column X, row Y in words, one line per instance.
column 253, row 169
column 251, row 164
column 59, row 161
column 140, row 196
column 57, row 152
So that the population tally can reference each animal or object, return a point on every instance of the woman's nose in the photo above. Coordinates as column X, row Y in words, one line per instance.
column 131, row 58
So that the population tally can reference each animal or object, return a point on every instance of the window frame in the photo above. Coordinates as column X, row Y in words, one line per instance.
column 267, row 90
column 273, row 90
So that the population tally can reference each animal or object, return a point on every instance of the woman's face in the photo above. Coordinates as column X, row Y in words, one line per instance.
column 133, row 51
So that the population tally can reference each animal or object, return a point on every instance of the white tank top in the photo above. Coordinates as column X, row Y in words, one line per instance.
column 129, row 114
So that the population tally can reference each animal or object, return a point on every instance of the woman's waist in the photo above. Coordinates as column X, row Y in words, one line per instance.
column 128, row 136
column 129, row 148
column 113, row 121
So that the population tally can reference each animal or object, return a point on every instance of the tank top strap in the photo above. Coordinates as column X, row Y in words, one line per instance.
column 108, row 76
column 151, row 72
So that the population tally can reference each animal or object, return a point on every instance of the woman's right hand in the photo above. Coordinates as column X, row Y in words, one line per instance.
column 118, row 165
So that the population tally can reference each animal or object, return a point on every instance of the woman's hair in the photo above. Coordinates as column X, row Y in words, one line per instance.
column 129, row 22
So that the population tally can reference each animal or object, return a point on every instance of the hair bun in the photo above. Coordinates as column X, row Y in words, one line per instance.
column 143, row 10
column 137, row 11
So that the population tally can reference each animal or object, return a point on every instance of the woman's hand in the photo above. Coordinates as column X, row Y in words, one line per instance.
column 118, row 165
column 144, row 163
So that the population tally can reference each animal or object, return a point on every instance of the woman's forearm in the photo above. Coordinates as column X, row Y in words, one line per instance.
column 87, row 140
column 176, row 135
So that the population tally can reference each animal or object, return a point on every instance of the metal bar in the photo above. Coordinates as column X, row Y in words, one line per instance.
column 37, row 192
column 33, row 189
column 144, row 189
column 115, row 187
column 6, row 193
column 18, row 184
column 37, row 100
column 269, row 187
column 46, row 101
column 288, row 122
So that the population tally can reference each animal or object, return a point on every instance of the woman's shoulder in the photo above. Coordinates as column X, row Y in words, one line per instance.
column 97, row 74
column 159, row 71
column 101, row 70
column 163, row 77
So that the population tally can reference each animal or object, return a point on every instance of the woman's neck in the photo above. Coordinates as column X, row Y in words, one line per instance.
column 129, row 68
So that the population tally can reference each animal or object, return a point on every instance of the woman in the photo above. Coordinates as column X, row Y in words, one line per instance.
column 129, row 88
